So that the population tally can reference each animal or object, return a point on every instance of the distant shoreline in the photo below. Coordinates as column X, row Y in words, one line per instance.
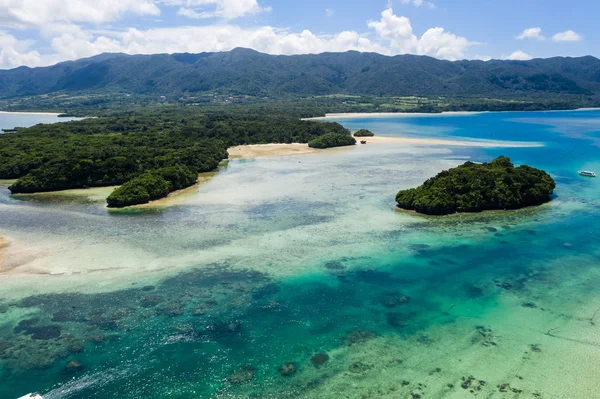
column 30, row 113
column 344, row 115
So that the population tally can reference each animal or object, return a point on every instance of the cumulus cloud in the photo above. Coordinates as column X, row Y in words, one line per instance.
column 35, row 13
column 532, row 33
column 435, row 42
column 194, row 39
column 14, row 53
column 390, row 35
column 329, row 12
column 519, row 56
column 227, row 9
column 419, row 3
column 567, row 36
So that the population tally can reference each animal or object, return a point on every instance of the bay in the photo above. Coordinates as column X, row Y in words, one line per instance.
column 10, row 120
column 276, row 260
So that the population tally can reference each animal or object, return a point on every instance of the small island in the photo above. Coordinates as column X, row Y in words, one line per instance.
column 471, row 187
column 364, row 133
column 330, row 140
column 152, row 185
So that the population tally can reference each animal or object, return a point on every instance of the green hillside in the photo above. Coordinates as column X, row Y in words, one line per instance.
column 247, row 72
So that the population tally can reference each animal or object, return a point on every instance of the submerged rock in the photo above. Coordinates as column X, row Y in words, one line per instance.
column 393, row 299
column 395, row 319
column 224, row 327
column 359, row 367
column 45, row 332
column 335, row 265
column 76, row 348
column 25, row 325
column 473, row 291
column 288, row 369
column 242, row 375
column 151, row 301
column 319, row 359
column 199, row 311
column 266, row 291
column 358, row 337
column 74, row 365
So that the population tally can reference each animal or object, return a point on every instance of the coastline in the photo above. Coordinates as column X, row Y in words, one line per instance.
column 173, row 198
column 30, row 113
column 264, row 150
column 344, row 115
column 3, row 245
column 455, row 143
column 349, row 115
column 274, row 150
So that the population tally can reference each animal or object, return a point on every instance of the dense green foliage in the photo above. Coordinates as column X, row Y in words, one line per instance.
column 364, row 133
column 244, row 72
column 113, row 150
column 152, row 185
column 330, row 140
column 478, row 187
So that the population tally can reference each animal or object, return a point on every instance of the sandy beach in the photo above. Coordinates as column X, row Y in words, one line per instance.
column 3, row 246
column 176, row 197
column 266, row 150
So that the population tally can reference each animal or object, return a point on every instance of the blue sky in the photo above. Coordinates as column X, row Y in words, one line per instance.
column 43, row 32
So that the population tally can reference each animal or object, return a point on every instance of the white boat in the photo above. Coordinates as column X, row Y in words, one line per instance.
column 34, row 395
column 587, row 173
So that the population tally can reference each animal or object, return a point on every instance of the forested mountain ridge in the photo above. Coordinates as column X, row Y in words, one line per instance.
column 247, row 72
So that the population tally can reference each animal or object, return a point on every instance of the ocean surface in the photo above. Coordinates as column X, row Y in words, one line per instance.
column 295, row 277
column 23, row 119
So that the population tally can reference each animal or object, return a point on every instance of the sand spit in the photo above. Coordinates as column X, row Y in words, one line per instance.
column 266, row 150
column 3, row 246
column 14, row 255
column 176, row 197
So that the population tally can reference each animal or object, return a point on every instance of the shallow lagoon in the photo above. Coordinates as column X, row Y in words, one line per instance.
column 278, row 259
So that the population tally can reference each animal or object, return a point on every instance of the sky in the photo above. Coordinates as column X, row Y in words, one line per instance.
column 44, row 32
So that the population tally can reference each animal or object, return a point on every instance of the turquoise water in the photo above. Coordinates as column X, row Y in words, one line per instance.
column 276, row 260
column 12, row 120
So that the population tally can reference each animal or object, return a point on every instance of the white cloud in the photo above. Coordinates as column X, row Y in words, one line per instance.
column 27, row 13
column 397, row 30
column 329, row 12
column 567, row 36
column 532, row 33
column 435, row 42
column 390, row 35
column 227, row 9
column 195, row 39
column 14, row 53
column 519, row 56
column 417, row 3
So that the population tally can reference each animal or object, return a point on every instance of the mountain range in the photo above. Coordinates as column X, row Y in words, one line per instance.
column 247, row 72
